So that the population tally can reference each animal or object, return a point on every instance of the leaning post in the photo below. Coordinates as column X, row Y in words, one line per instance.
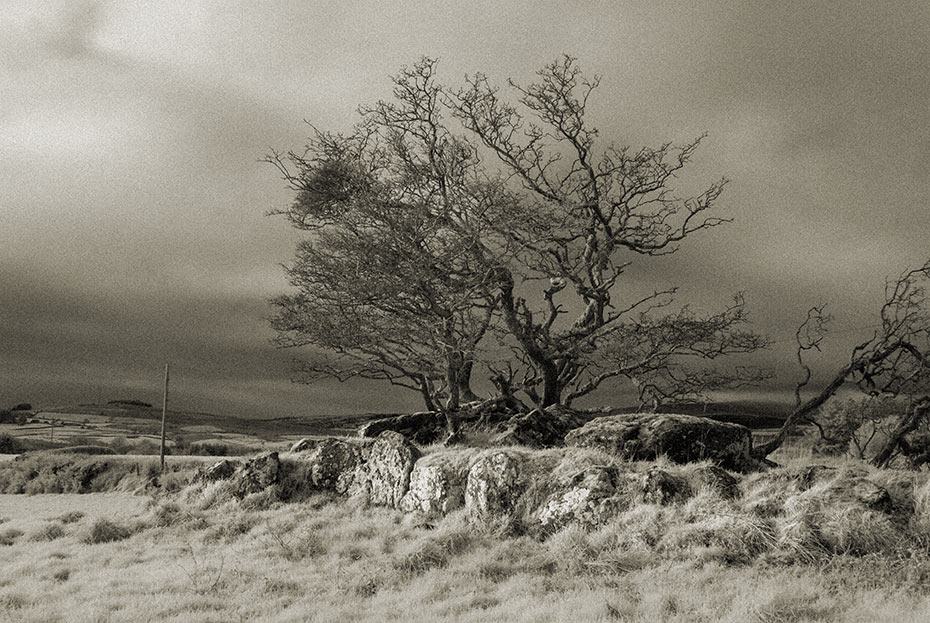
column 164, row 415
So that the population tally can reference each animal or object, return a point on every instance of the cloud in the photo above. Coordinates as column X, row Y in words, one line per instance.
column 133, row 199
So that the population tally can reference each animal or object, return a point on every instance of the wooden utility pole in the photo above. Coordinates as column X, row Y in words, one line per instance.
column 164, row 416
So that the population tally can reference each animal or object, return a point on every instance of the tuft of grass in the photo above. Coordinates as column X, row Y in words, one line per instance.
column 48, row 532
column 793, row 608
column 433, row 552
column 9, row 536
column 70, row 517
column 105, row 531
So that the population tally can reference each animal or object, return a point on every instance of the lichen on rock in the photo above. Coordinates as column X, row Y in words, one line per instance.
column 437, row 483
column 386, row 472
column 493, row 485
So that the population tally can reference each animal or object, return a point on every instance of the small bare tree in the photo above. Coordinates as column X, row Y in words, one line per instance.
column 895, row 361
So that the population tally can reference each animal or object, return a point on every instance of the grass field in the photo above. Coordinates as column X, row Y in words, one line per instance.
column 773, row 554
column 105, row 557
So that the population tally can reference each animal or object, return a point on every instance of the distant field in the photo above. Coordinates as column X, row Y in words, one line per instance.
column 138, row 429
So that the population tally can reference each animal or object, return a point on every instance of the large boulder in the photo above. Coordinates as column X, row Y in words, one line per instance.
column 681, row 438
column 494, row 485
column 437, row 484
column 256, row 474
column 333, row 465
column 540, row 428
column 387, row 471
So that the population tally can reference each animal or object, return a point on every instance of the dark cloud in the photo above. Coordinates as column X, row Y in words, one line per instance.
column 133, row 200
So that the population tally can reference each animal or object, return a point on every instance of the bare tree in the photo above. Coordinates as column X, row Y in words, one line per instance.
column 895, row 361
column 419, row 251
column 586, row 210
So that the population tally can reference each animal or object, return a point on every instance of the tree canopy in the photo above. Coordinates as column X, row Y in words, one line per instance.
column 451, row 230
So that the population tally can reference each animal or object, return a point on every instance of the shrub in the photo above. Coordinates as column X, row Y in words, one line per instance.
column 167, row 514
column 105, row 531
column 216, row 448
column 130, row 403
column 9, row 445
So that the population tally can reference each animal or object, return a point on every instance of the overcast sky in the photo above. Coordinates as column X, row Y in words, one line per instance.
column 132, row 197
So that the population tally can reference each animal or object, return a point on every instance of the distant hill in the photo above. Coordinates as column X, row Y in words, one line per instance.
column 270, row 429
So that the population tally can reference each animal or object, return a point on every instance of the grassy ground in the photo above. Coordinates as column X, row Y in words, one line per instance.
column 180, row 558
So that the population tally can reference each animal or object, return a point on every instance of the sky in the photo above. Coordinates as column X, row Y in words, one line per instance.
column 133, row 199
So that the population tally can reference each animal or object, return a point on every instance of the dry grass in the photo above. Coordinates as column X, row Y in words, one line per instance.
column 323, row 559
column 792, row 544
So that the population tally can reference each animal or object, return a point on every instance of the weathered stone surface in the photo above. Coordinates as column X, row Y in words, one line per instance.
column 424, row 428
column 305, row 444
column 590, row 500
column 437, row 485
column 221, row 470
column 387, row 470
column 334, row 465
column 493, row 486
column 681, row 438
column 660, row 487
column 256, row 474
column 541, row 428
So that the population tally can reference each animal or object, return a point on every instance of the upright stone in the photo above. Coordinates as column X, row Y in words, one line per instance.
column 387, row 471
column 437, row 485
column 493, row 486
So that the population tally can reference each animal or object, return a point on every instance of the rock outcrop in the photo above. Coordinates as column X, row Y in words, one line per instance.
column 221, row 470
column 716, row 479
column 334, row 465
column 540, row 428
column 428, row 427
column 680, row 438
column 660, row 487
column 424, row 428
